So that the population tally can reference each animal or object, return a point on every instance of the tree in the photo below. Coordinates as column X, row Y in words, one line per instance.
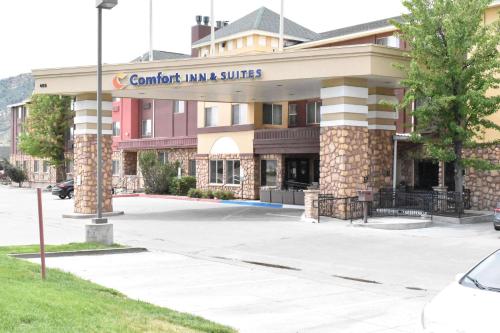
column 454, row 61
column 17, row 175
column 44, row 133
column 158, row 176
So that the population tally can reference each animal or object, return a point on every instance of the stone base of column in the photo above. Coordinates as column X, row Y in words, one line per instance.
column 99, row 233
column 311, row 205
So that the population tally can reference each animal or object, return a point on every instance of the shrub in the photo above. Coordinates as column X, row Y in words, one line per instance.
column 158, row 177
column 183, row 185
column 208, row 194
column 224, row 195
column 195, row 193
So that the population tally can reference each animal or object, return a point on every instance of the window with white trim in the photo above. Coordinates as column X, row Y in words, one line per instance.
column 230, row 45
column 45, row 166
column 216, row 171
column 116, row 167
column 116, row 128
column 35, row 166
column 249, row 40
column 238, row 114
column 162, row 157
column 272, row 114
column 179, row 106
column 391, row 41
column 239, row 43
column 146, row 127
column 233, row 172
column 262, row 40
column 313, row 115
column 211, row 116
column 292, row 114
column 275, row 43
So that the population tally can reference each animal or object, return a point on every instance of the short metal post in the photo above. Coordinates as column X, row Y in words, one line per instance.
column 40, row 228
column 365, row 211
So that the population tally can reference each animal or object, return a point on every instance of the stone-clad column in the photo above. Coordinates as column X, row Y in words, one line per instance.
column 344, row 162
column 85, row 153
column 381, row 129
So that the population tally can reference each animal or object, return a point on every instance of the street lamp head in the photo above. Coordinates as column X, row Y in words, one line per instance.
column 106, row 4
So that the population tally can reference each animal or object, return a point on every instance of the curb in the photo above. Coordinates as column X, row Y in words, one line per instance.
column 89, row 216
column 80, row 253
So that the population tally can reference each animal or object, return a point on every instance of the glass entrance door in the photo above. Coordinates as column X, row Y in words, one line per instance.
column 297, row 170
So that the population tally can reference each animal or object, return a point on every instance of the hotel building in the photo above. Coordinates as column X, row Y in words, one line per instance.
column 243, row 114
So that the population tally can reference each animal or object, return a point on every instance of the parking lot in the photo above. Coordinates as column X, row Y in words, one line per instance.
column 260, row 269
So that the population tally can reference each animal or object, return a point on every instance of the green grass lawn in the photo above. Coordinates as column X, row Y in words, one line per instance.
column 65, row 303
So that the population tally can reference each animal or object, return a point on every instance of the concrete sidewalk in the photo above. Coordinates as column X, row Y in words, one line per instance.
column 253, row 298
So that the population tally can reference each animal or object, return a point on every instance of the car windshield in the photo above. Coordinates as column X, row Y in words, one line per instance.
column 486, row 275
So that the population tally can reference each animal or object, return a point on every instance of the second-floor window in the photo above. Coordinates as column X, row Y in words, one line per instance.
column 36, row 166
column 313, row 112
column 116, row 128
column 272, row 114
column 238, row 114
column 45, row 166
column 179, row 106
column 146, row 127
column 292, row 114
column 210, row 116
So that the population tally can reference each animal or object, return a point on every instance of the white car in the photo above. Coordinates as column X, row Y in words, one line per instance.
column 471, row 304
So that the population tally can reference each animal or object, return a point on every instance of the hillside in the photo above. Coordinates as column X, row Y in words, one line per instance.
column 12, row 90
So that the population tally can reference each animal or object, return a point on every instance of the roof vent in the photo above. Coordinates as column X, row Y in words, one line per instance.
column 225, row 23
column 206, row 19
column 219, row 24
column 198, row 19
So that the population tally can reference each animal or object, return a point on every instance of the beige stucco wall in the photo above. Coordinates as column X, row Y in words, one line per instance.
column 243, row 139
column 231, row 45
column 223, row 113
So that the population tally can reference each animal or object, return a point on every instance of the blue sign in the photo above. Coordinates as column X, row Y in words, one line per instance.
column 166, row 79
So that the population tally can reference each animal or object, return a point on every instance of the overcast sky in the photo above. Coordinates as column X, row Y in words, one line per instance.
column 61, row 33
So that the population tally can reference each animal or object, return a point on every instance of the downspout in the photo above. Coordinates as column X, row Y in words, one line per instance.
column 395, row 163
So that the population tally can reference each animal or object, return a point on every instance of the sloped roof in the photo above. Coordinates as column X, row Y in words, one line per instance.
column 358, row 28
column 262, row 19
column 161, row 55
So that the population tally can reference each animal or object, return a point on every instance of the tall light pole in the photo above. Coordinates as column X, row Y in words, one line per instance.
column 100, row 5
column 282, row 27
column 151, row 55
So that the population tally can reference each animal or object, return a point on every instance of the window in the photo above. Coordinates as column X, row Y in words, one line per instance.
column 25, row 165
column 262, row 41
column 233, row 172
column 230, row 45
column 272, row 114
column 162, row 157
column 45, row 166
column 210, row 117
column 250, row 41
column 116, row 128
column 274, row 43
column 391, row 41
column 292, row 114
column 146, row 127
column 216, row 171
column 116, row 167
column 179, row 106
column 35, row 166
column 146, row 106
column 192, row 168
column 239, row 43
column 313, row 112
column 20, row 112
column 238, row 114
column 268, row 172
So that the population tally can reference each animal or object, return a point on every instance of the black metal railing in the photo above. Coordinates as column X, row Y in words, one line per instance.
column 390, row 202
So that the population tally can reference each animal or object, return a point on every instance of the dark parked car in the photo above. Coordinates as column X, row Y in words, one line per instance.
column 496, row 218
column 64, row 189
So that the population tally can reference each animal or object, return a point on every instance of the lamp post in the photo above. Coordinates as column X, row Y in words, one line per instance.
column 100, row 5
